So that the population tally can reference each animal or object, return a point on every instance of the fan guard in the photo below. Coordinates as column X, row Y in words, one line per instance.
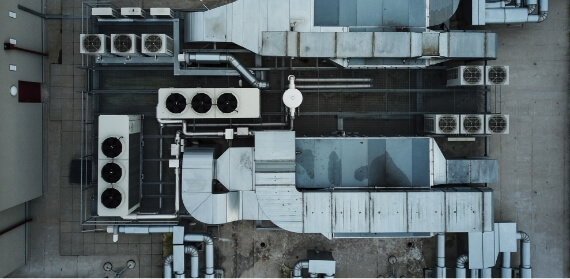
column 447, row 124
column 91, row 43
column 201, row 103
column 497, row 75
column 153, row 43
column 472, row 124
column 497, row 124
column 111, row 173
column 123, row 43
column 472, row 75
column 111, row 198
column 176, row 103
column 227, row 103
column 111, row 147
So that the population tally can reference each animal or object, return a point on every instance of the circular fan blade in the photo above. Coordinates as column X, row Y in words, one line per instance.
column 497, row 124
column 111, row 147
column 471, row 124
column 497, row 75
column 123, row 43
column 447, row 124
column 472, row 75
column 111, row 172
column 176, row 103
column 111, row 198
column 91, row 43
column 201, row 103
column 153, row 43
column 227, row 103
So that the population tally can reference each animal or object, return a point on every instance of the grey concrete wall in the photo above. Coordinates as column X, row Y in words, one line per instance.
column 12, row 243
column 21, row 123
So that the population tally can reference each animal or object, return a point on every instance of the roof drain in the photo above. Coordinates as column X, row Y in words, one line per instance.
column 219, row 58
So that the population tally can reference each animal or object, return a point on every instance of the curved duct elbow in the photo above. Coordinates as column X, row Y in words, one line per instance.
column 191, row 250
column 524, row 237
column 298, row 267
column 542, row 16
column 461, row 260
column 531, row 9
column 168, row 259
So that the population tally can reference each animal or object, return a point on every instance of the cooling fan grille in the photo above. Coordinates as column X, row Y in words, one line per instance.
column 176, row 103
column 227, row 103
column 472, row 124
column 497, row 124
column 111, row 172
column 111, row 198
column 123, row 43
column 447, row 124
column 112, row 147
column 497, row 75
column 201, row 103
column 92, row 43
column 472, row 75
column 153, row 43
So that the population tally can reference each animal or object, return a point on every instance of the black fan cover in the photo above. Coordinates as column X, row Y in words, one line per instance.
column 227, row 103
column 201, row 103
column 112, row 147
column 176, row 103
column 153, row 43
column 91, row 43
column 123, row 43
column 111, row 172
column 111, row 198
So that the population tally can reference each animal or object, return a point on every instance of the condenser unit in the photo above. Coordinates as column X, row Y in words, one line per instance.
column 497, row 75
column 95, row 44
column 496, row 124
column 472, row 124
column 441, row 124
column 133, row 12
column 188, row 103
column 119, row 164
column 126, row 44
column 104, row 12
column 157, row 44
column 161, row 13
column 465, row 76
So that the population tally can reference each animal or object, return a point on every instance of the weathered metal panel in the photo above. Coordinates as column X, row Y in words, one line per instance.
column 420, row 162
column 274, row 178
column 392, row 44
column 397, row 14
column 507, row 237
column 280, row 203
column 466, row 45
column 317, row 213
column 388, row 212
column 377, row 163
column 293, row 44
column 249, row 206
column 416, row 13
column 198, row 170
column 458, row 171
column 489, row 249
column 275, row 145
column 430, row 44
column 327, row 12
column 439, row 165
column 354, row 44
column 327, row 163
column 426, row 211
column 484, row 171
column 315, row 44
column 278, row 15
column 475, row 250
column 488, row 212
column 274, row 43
column 215, row 30
column 398, row 162
column 464, row 211
column 305, row 163
column 234, row 169
column 354, row 162
column 252, row 25
column 369, row 12
column 351, row 212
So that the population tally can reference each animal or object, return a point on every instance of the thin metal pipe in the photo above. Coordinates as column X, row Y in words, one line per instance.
column 193, row 252
column 333, row 79
column 506, row 270
column 525, row 267
column 460, row 271
column 440, row 270
column 321, row 86
column 474, row 273
column 209, row 271
column 486, row 272
column 167, row 269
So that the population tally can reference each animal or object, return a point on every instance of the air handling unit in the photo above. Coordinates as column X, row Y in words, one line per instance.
column 496, row 124
column 465, row 76
column 441, row 124
column 497, row 75
column 126, row 44
column 95, row 44
column 472, row 124
column 133, row 12
column 157, row 45
column 104, row 12
column 119, row 164
column 188, row 103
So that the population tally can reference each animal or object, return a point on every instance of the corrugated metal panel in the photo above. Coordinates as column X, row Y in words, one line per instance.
column 351, row 212
column 275, row 145
column 464, row 211
column 317, row 212
column 388, row 212
column 426, row 211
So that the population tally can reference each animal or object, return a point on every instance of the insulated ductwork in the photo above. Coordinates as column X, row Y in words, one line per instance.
column 298, row 268
column 219, row 58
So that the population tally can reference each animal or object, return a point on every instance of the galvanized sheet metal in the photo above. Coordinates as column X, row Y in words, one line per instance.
column 351, row 212
column 464, row 211
column 426, row 212
column 275, row 145
column 234, row 169
column 317, row 214
column 388, row 212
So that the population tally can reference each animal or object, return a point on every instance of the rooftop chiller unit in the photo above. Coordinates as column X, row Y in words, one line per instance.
column 157, row 45
column 497, row 75
column 465, row 76
column 187, row 103
column 119, row 165
column 95, row 44
column 126, row 44
column 441, row 124
column 496, row 124
column 472, row 124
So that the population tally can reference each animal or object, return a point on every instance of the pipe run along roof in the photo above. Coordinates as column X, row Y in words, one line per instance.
column 262, row 183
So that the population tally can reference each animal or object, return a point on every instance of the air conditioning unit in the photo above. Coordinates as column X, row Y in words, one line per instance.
column 161, row 13
column 126, row 44
column 472, row 124
column 157, row 44
column 104, row 12
column 95, row 44
column 497, row 75
column 465, row 76
column 133, row 12
column 119, row 164
column 496, row 124
column 188, row 103
column 441, row 124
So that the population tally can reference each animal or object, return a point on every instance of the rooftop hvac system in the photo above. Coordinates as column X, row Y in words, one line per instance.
column 95, row 44
column 497, row 75
column 133, row 12
column 496, row 124
column 126, row 44
column 161, row 13
column 441, row 124
column 465, row 76
column 119, row 164
column 187, row 103
column 472, row 124
column 104, row 12
column 157, row 44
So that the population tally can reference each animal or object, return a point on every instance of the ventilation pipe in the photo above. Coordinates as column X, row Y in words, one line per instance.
column 167, row 270
column 506, row 270
column 209, row 243
column 193, row 252
column 219, row 58
column 474, row 273
column 440, row 269
column 499, row 13
column 525, row 268
column 460, row 266
column 298, row 267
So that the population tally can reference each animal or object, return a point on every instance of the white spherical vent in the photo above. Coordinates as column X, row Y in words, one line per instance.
column 292, row 98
